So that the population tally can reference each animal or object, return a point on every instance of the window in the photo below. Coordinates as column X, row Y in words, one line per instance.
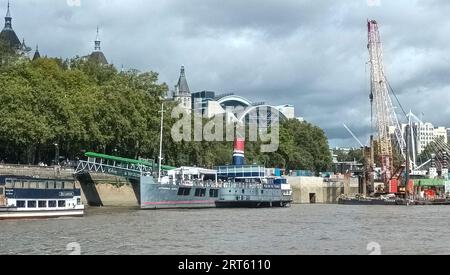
column 200, row 192
column 20, row 204
column 78, row 201
column 184, row 191
column 51, row 204
column 61, row 203
column 42, row 204
column 2, row 191
column 31, row 204
column 214, row 193
column 243, row 191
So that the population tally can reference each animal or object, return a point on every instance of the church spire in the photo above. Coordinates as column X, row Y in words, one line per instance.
column 97, row 42
column 97, row 55
column 7, row 34
column 8, row 18
column 182, row 86
column 37, row 54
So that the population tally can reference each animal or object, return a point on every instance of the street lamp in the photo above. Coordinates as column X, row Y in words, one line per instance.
column 161, row 143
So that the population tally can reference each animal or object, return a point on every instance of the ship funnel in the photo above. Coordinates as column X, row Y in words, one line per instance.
column 239, row 152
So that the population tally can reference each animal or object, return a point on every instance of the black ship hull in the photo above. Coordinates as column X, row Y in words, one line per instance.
column 370, row 201
column 252, row 204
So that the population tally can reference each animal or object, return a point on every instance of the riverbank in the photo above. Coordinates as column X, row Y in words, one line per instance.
column 100, row 190
column 108, row 190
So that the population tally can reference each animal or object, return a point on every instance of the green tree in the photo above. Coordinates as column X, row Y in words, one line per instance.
column 84, row 106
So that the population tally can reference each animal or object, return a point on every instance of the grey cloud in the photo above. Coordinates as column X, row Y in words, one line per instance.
column 308, row 53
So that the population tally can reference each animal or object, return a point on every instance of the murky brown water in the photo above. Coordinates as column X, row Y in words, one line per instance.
column 302, row 229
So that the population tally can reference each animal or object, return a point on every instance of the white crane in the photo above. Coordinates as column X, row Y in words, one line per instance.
column 386, row 118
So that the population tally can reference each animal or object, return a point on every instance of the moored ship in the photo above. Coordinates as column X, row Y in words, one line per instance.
column 29, row 198
column 231, row 186
column 363, row 200
column 246, row 186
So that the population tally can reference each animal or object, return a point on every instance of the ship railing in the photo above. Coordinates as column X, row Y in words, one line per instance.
column 195, row 183
column 244, row 171
column 212, row 184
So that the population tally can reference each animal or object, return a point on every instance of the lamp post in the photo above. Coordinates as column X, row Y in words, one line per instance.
column 161, row 143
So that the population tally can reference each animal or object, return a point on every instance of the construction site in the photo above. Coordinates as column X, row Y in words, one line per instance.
column 394, row 173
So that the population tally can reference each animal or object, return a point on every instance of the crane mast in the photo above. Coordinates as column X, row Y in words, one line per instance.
column 386, row 118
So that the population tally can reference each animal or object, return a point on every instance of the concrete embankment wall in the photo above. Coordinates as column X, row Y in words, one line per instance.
column 308, row 190
column 97, row 189
column 108, row 190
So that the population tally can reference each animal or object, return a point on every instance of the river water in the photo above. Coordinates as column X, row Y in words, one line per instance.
column 301, row 229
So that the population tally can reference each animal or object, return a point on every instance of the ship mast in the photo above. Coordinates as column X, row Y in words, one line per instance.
column 161, row 143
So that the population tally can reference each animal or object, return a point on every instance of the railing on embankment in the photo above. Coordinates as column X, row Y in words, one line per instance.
column 98, row 189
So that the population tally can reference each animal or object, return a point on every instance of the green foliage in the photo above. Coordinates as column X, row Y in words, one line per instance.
column 353, row 155
column 78, row 105
column 83, row 106
column 302, row 147
column 8, row 55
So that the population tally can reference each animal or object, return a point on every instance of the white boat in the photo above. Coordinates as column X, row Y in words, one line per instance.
column 28, row 198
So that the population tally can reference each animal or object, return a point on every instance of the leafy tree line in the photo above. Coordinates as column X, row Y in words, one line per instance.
column 67, row 107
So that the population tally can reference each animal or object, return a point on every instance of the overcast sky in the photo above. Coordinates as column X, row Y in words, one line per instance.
column 311, row 54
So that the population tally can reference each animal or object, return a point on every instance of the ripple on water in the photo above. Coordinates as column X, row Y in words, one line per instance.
column 301, row 229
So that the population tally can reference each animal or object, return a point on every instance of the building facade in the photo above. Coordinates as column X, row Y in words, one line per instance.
column 234, row 108
column 9, row 37
column 426, row 133
column 238, row 108
column 441, row 133
column 182, row 93
column 448, row 135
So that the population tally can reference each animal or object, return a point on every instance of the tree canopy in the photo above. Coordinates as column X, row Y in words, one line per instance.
column 73, row 106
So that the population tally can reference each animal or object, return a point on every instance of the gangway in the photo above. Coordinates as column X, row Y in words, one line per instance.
column 118, row 166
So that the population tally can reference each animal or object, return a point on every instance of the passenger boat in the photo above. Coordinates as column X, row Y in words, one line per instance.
column 29, row 198
column 231, row 186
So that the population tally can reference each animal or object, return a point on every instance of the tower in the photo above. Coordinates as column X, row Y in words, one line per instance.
column 37, row 54
column 7, row 35
column 97, row 55
column 182, row 92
